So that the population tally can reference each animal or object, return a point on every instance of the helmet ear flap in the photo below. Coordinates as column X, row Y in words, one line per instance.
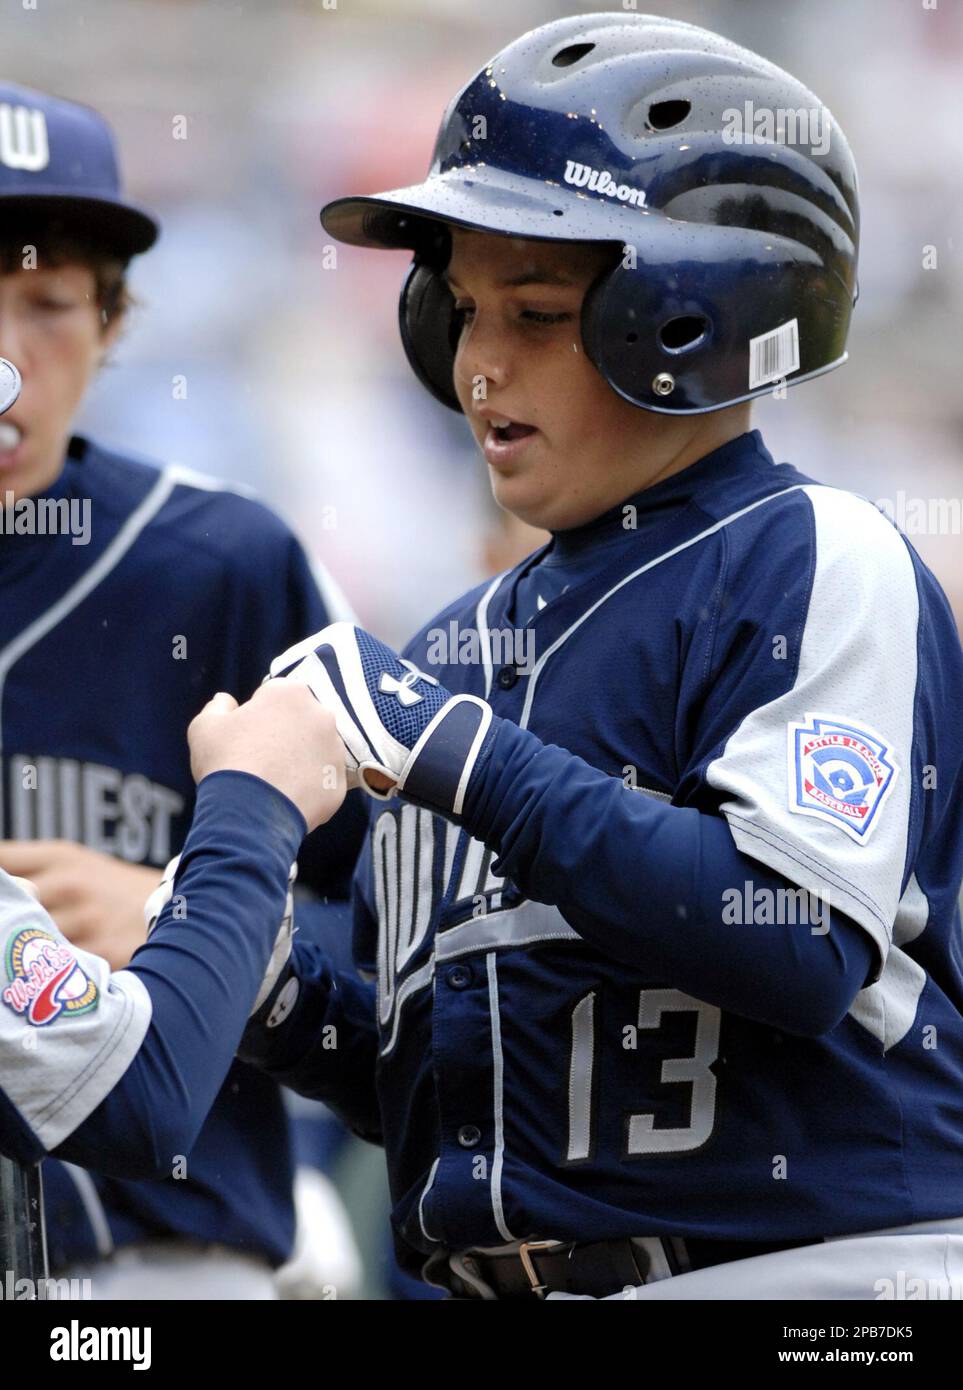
column 429, row 331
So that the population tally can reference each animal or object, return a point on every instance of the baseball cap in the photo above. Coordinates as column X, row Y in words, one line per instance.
column 59, row 157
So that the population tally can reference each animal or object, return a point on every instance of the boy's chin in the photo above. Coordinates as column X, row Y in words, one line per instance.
column 535, row 506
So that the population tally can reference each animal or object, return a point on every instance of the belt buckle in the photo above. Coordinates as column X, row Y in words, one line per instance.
column 528, row 1264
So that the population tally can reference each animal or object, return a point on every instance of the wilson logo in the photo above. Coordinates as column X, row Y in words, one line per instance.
column 601, row 181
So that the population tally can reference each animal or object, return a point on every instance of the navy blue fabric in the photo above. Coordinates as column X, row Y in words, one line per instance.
column 647, row 1067
column 214, row 587
column 199, row 971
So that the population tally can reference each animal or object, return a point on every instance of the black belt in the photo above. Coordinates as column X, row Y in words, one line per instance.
column 596, row 1268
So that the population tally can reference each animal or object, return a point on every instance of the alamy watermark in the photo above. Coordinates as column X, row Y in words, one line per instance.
column 775, row 907
column 46, row 516
column 766, row 125
column 25, row 1290
column 923, row 516
column 912, row 1289
column 465, row 646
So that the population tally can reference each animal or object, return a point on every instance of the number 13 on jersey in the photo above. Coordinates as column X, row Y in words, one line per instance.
column 643, row 1137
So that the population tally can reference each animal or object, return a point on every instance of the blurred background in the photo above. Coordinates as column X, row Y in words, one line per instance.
column 296, row 382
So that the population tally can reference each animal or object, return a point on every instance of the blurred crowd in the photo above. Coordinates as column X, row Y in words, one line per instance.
column 260, row 353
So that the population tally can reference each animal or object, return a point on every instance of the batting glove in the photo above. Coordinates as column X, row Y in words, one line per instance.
column 393, row 719
column 164, row 891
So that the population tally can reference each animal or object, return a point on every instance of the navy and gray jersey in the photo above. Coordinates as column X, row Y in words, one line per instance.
column 690, row 962
column 119, row 1069
column 159, row 589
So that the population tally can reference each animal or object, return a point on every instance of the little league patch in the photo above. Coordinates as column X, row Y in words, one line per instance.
column 45, row 978
column 839, row 772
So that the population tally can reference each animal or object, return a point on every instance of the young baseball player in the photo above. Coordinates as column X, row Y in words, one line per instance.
column 658, row 919
column 131, row 595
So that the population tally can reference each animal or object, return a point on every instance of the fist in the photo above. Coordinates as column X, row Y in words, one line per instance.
column 281, row 735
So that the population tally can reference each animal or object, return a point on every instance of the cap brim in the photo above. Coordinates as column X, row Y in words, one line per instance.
column 118, row 226
column 481, row 199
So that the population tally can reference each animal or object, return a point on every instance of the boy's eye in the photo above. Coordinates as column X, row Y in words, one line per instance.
column 465, row 311
column 52, row 302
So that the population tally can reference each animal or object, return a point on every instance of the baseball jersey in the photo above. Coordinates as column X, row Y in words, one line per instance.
column 690, row 962
column 167, row 588
column 119, row 1069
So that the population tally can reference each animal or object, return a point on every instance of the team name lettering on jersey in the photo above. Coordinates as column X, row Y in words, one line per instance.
column 124, row 814
column 414, row 855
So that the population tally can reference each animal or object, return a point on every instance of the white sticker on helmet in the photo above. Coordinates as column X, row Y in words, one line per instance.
column 774, row 355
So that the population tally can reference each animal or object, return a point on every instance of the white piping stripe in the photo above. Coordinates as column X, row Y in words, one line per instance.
column 498, row 1068
column 472, row 758
column 333, row 597
column 421, row 1201
column 481, row 626
column 676, row 550
column 114, row 553
column 94, row 1208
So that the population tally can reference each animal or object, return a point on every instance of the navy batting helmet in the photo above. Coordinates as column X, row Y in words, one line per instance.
column 727, row 184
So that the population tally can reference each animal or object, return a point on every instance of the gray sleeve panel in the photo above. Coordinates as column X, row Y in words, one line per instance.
column 857, row 669
column 69, row 1029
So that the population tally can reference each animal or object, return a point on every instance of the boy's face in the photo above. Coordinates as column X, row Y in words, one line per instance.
column 586, row 449
column 51, row 329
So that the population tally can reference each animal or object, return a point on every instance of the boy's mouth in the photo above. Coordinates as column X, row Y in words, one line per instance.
column 506, row 441
column 505, row 429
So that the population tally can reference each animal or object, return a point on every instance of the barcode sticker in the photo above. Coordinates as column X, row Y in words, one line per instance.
column 774, row 355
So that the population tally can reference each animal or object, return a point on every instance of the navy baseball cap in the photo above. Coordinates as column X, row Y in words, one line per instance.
column 59, row 157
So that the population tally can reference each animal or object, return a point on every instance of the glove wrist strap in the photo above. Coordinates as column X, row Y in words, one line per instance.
column 440, row 765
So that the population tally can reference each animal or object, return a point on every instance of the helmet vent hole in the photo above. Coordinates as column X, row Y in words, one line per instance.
column 683, row 333
column 565, row 57
column 663, row 115
column 631, row 337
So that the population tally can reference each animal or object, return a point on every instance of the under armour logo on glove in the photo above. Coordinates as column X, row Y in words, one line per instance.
column 402, row 688
column 403, row 732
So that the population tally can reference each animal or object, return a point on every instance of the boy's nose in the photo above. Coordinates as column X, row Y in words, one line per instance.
column 481, row 358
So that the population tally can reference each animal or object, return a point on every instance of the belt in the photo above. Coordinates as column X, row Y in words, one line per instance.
column 597, row 1268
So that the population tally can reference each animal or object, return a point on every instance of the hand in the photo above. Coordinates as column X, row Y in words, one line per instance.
column 96, row 901
column 403, row 732
column 281, row 735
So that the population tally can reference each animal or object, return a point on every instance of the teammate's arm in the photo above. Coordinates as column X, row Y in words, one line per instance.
column 123, row 1084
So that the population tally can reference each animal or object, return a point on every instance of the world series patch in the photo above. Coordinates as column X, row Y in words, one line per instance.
column 46, row 980
column 839, row 772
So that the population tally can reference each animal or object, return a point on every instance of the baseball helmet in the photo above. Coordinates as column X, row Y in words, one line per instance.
column 738, row 261
column 57, row 158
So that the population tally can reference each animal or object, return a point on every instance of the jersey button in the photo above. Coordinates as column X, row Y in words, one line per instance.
column 468, row 1136
column 459, row 977
column 507, row 677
